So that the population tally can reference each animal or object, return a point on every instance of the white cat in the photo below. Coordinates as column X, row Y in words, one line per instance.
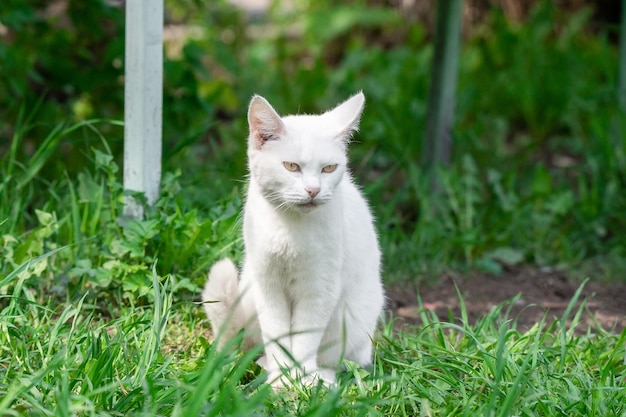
column 310, row 286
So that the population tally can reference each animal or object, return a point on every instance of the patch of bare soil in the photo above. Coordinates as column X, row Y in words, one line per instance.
column 540, row 292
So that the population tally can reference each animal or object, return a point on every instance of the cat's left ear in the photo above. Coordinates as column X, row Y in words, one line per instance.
column 265, row 124
column 347, row 115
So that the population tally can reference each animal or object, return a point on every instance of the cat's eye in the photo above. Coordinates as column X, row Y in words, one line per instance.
column 329, row 168
column 291, row 166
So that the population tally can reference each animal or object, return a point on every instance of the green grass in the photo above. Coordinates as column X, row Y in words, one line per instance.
column 98, row 313
column 70, row 359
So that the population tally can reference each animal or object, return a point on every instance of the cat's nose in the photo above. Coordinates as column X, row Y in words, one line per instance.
column 312, row 191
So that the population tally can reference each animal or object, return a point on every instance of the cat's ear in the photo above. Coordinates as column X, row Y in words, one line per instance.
column 347, row 115
column 265, row 124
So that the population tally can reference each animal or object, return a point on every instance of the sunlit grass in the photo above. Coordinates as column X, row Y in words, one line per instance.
column 70, row 359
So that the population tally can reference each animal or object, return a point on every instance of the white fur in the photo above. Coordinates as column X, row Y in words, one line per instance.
column 310, row 286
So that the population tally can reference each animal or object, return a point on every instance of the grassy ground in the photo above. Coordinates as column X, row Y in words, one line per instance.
column 98, row 312
column 154, row 360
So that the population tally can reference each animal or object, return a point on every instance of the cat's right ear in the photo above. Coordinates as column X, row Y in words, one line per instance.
column 265, row 124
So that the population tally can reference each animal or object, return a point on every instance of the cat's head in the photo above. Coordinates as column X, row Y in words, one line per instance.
column 298, row 161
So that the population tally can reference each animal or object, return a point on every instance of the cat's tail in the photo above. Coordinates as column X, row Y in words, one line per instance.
column 222, row 302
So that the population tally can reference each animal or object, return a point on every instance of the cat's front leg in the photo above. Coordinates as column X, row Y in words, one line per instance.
column 274, row 316
column 310, row 317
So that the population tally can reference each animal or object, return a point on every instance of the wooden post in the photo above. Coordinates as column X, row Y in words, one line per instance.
column 143, row 101
column 441, row 100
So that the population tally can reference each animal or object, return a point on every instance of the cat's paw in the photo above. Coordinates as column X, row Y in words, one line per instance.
column 310, row 380
column 285, row 381
column 277, row 381
column 327, row 376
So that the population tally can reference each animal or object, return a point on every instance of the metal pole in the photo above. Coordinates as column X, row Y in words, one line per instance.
column 143, row 101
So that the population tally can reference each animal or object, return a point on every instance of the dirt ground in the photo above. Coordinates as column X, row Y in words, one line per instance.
column 541, row 292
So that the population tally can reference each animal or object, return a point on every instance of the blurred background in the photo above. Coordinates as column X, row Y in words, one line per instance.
column 538, row 170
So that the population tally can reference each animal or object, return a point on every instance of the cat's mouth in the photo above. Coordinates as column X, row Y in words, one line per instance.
column 308, row 205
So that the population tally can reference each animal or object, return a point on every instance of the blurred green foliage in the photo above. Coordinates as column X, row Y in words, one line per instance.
column 539, row 169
